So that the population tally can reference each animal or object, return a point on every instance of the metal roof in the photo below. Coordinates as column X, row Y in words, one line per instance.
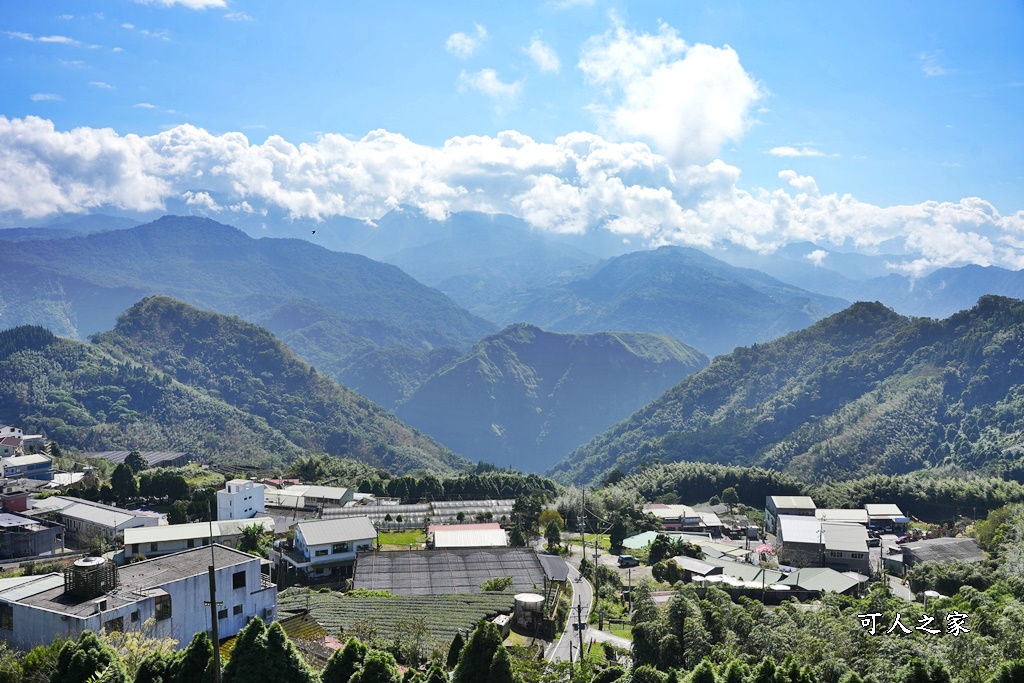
column 663, row 511
column 849, row 537
column 947, row 549
column 885, row 510
column 800, row 529
column 21, row 460
column 324, row 531
column 820, row 579
column 860, row 516
column 183, row 532
column 695, row 566
column 792, row 502
column 329, row 492
column 555, row 568
column 454, row 537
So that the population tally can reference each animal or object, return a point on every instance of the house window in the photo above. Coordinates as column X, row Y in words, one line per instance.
column 135, row 548
column 222, row 613
column 321, row 553
column 114, row 625
column 136, row 615
column 152, row 547
column 835, row 553
column 162, row 607
column 340, row 548
column 238, row 580
column 191, row 543
column 237, row 609
column 7, row 616
column 857, row 556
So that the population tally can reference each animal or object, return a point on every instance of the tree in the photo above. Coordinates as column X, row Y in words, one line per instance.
column 548, row 517
column 516, row 538
column 178, row 514
column 730, row 497
column 79, row 661
column 255, row 540
column 344, row 662
column 158, row 667
column 378, row 667
column 454, row 650
column 41, row 661
column 617, row 534
column 501, row 668
column 136, row 462
column 123, row 483
column 263, row 655
column 196, row 664
column 437, row 675
column 476, row 658
column 553, row 535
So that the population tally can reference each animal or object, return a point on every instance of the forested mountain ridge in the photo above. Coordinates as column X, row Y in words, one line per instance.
column 680, row 292
column 527, row 397
column 865, row 391
column 233, row 383
column 329, row 307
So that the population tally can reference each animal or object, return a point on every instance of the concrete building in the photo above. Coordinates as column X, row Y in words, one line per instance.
column 32, row 466
column 466, row 536
column 154, row 541
column 27, row 537
column 171, row 590
column 800, row 540
column 306, row 496
column 855, row 516
column 846, row 547
column 240, row 499
column 945, row 549
column 884, row 516
column 85, row 520
column 325, row 550
column 799, row 506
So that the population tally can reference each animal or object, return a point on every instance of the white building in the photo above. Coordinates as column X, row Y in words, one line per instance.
column 466, row 536
column 27, row 466
column 85, row 519
column 325, row 550
column 240, row 499
column 171, row 590
column 306, row 495
column 155, row 541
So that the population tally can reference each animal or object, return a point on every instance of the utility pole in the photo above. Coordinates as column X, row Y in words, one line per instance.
column 214, row 627
column 579, row 624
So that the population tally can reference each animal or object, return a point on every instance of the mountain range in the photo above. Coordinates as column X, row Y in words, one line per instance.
column 865, row 391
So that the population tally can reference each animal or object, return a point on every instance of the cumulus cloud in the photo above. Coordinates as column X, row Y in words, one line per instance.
column 544, row 56
column 463, row 45
column 686, row 99
column 573, row 184
column 795, row 152
column 817, row 257
column 486, row 81
column 45, row 97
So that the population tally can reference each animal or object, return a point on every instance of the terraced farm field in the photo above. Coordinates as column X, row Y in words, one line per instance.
column 437, row 617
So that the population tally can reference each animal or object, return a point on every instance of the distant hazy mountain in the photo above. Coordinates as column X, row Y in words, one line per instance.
column 525, row 397
column 680, row 292
column 330, row 307
column 866, row 391
column 173, row 376
column 67, row 226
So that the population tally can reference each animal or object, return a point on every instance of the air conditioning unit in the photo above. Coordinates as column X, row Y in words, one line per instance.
column 100, row 605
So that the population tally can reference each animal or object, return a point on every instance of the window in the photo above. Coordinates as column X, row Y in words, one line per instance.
column 222, row 613
column 191, row 543
column 237, row 609
column 340, row 548
column 835, row 553
column 7, row 616
column 136, row 615
column 135, row 548
column 321, row 553
column 238, row 580
column 153, row 547
column 162, row 607
column 114, row 625
column 857, row 556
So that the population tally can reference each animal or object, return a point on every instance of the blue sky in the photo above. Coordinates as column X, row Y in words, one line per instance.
column 687, row 122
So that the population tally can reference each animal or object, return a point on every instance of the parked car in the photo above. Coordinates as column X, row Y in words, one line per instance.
column 874, row 542
column 628, row 561
column 902, row 539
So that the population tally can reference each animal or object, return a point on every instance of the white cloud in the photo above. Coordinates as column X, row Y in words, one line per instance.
column 817, row 257
column 58, row 40
column 237, row 16
column 573, row 184
column 190, row 4
column 144, row 105
column 544, row 56
column 567, row 4
column 46, row 97
column 795, row 152
column 930, row 64
column 686, row 99
column 101, row 84
column 463, row 45
column 487, row 82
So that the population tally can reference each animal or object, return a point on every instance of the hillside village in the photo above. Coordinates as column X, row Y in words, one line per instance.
column 114, row 569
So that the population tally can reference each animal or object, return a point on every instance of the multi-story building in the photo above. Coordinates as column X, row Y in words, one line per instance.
column 154, row 541
column 325, row 550
column 240, row 499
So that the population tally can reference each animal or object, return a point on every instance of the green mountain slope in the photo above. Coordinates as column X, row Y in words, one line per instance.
column 525, row 397
column 679, row 292
column 865, row 391
column 173, row 376
column 329, row 307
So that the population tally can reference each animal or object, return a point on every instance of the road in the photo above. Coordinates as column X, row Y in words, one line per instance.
column 582, row 595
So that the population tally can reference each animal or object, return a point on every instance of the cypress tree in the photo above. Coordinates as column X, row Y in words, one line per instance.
column 79, row 661
column 344, row 662
column 475, row 661
column 458, row 642
column 196, row 663
column 378, row 667
column 501, row 668
column 158, row 667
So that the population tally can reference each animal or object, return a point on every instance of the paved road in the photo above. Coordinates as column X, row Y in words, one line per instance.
column 583, row 594
column 605, row 637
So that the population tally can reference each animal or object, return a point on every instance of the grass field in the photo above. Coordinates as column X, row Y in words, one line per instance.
column 400, row 540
